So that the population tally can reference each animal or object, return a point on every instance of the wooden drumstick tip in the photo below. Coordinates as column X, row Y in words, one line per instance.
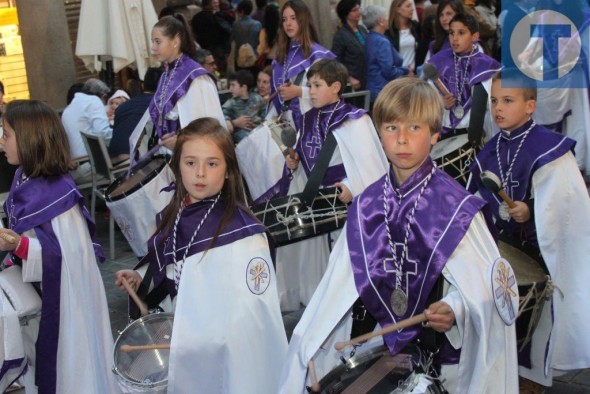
column 142, row 308
column 8, row 238
column 315, row 386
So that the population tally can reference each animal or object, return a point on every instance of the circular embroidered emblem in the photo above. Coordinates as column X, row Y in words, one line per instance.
column 125, row 227
column 505, row 290
column 258, row 275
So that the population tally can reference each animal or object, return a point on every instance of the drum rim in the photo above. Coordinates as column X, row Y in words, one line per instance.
column 354, row 361
column 130, row 326
column 117, row 182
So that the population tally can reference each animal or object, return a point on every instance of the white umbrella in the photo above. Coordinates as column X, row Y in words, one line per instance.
column 120, row 29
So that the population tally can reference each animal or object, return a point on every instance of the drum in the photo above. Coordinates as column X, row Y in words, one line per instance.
column 534, row 288
column 144, row 371
column 135, row 200
column 454, row 156
column 261, row 159
column 376, row 371
column 289, row 221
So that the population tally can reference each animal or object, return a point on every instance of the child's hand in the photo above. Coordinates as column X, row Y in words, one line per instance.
column 289, row 91
column 440, row 316
column 243, row 122
column 449, row 101
column 520, row 213
column 355, row 83
column 292, row 162
column 345, row 194
column 9, row 240
column 132, row 277
column 169, row 140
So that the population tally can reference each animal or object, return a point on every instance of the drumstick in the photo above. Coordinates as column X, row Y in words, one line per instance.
column 339, row 346
column 8, row 238
column 494, row 184
column 130, row 348
column 142, row 308
column 315, row 386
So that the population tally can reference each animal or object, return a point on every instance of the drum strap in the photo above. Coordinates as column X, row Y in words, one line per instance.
column 152, row 299
column 429, row 339
column 478, row 113
column 319, row 170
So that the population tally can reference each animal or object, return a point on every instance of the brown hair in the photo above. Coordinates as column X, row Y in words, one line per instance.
column 394, row 17
column 529, row 90
column 331, row 71
column 307, row 34
column 177, row 25
column 42, row 142
column 409, row 99
column 232, row 190
column 440, row 35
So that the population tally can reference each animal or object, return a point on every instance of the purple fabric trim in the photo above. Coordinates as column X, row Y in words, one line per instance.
column 186, row 72
column 312, row 139
column 482, row 68
column 432, row 239
column 297, row 64
column 540, row 147
column 160, row 253
column 10, row 364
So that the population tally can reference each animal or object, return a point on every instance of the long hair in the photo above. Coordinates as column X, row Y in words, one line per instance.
column 394, row 17
column 306, row 35
column 177, row 25
column 42, row 142
column 439, row 33
column 232, row 190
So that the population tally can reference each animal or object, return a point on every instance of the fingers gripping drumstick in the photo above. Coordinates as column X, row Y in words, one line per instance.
column 394, row 327
column 142, row 308
column 8, row 238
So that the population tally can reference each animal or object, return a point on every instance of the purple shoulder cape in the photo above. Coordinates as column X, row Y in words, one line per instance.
column 160, row 248
column 294, row 64
column 185, row 73
column 443, row 215
column 481, row 68
column 540, row 147
column 31, row 204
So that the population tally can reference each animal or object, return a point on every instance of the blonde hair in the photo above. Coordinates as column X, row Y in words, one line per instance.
column 409, row 99
column 528, row 89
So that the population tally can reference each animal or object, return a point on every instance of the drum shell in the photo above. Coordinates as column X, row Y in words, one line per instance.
column 454, row 156
column 135, row 209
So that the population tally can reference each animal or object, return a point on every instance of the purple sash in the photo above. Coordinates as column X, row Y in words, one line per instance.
column 185, row 73
column 481, row 68
column 442, row 218
column 31, row 204
column 295, row 63
column 540, row 147
column 312, row 138
column 160, row 246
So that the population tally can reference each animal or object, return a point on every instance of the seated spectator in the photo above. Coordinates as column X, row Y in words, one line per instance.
column 128, row 115
column 205, row 58
column 118, row 98
column 86, row 113
column 245, row 109
column 263, row 83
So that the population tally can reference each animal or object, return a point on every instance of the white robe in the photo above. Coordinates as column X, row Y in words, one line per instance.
column 488, row 361
column 85, row 347
column 562, row 214
column 301, row 265
column 226, row 338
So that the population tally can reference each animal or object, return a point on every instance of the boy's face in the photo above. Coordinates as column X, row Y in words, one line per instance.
column 321, row 94
column 406, row 145
column 235, row 89
column 510, row 109
column 461, row 38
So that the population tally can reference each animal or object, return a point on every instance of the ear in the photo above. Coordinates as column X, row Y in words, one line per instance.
column 531, row 106
column 176, row 41
column 434, row 138
column 336, row 87
column 475, row 37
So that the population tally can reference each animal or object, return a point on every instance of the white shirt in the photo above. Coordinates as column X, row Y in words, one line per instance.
column 85, row 113
column 407, row 47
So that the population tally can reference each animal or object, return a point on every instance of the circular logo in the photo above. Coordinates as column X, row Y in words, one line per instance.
column 505, row 290
column 258, row 275
column 545, row 45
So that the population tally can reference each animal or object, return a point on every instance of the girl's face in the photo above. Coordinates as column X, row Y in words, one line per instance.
column 290, row 25
column 445, row 17
column 406, row 10
column 8, row 142
column 202, row 167
column 164, row 49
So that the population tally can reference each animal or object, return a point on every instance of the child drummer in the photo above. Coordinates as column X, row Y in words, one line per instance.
column 405, row 231
column 549, row 222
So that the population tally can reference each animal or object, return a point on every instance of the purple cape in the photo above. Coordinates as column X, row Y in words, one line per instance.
column 160, row 246
column 186, row 72
column 295, row 63
column 481, row 68
column 540, row 147
column 31, row 204
column 443, row 216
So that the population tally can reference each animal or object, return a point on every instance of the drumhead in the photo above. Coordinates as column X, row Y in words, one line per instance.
column 449, row 145
column 144, row 368
column 139, row 176
column 526, row 269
